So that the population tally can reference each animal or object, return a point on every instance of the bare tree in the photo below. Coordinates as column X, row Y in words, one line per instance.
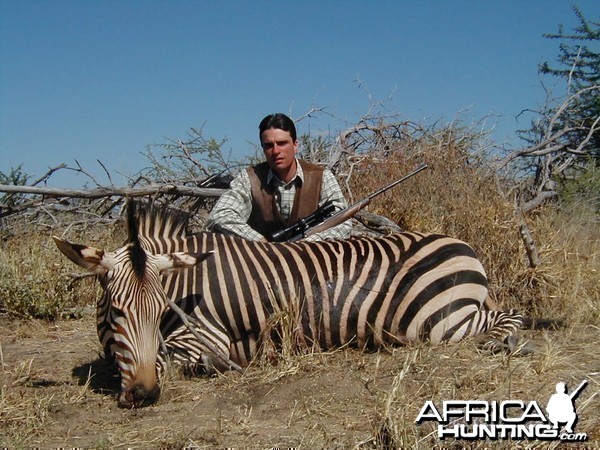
column 553, row 155
column 563, row 141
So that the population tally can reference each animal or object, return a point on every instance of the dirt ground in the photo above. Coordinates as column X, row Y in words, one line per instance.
column 58, row 392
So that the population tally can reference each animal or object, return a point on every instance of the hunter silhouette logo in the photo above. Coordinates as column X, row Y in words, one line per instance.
column 507, row 419
column 561, row 406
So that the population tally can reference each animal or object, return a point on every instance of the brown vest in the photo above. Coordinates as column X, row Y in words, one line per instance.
column 265, row 217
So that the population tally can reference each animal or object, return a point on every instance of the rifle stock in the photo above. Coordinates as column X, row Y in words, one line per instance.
column 338, row 218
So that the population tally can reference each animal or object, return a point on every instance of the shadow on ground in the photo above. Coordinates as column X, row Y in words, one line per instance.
column 101, row 375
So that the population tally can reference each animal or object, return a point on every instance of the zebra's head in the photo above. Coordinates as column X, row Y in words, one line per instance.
column 130, row 309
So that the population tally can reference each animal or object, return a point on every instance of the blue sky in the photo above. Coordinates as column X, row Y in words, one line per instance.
column 92, row 80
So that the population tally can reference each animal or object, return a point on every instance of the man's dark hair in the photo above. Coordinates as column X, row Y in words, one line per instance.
column 278, row 121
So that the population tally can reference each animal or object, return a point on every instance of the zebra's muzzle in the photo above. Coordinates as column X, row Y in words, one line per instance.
column 139, row 396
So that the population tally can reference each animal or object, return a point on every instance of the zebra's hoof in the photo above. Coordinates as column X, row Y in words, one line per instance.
column 525, row 349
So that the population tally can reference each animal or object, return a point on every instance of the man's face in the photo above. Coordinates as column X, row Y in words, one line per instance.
column 280, row 151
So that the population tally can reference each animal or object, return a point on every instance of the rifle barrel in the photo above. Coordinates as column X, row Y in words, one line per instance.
column 405, row 177
column 350, row 211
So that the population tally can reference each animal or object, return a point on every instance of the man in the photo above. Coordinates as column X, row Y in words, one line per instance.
column 277, row 193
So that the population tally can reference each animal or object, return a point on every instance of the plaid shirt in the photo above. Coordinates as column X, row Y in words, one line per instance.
column 233, row 209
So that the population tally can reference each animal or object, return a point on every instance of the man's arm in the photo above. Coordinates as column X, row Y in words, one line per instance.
column 232, row 210
column 331, row 191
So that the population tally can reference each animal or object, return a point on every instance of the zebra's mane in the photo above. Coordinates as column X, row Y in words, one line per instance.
column 155, row 223
column 137, row 256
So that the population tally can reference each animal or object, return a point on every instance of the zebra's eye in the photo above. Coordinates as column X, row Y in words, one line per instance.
column 116, row 312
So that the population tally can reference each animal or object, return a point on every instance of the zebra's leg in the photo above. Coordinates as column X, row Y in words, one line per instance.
column 186, row 350
column 500, row 329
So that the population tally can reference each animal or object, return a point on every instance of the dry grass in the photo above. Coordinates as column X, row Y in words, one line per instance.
column 567, row 282
column 282, row 336
column 31, row 284
column 462, row 373
column 340, row 399
column 34, row 277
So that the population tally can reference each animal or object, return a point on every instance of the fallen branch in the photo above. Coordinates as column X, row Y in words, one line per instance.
column 80, row 276
column 539, row 200
column 151, row 189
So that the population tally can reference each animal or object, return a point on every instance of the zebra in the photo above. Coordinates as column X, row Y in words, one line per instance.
column 363, row 291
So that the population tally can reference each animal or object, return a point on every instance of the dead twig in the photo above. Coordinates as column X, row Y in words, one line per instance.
column 48, row 174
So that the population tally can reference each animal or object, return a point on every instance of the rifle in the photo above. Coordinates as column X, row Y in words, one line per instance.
column 319, row 220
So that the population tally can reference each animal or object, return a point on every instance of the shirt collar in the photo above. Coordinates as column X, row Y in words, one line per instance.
column 299, row 175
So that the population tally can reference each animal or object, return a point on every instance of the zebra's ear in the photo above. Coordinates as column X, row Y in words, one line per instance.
column 90, row 258
column 182, row 260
